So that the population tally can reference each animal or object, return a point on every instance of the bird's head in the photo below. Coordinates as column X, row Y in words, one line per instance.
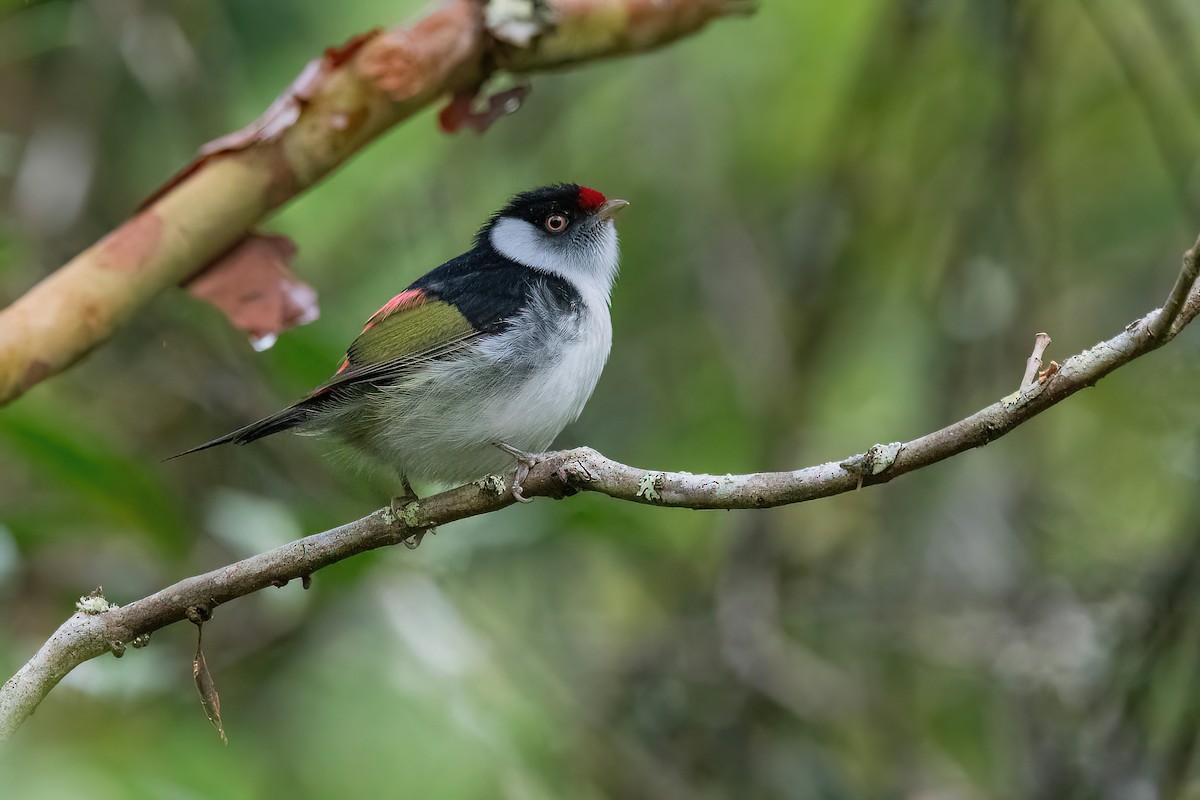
column 565, row 229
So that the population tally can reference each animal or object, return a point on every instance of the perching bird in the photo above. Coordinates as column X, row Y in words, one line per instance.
column 501, row 346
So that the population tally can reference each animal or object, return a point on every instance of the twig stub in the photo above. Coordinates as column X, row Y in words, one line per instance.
column 1034, row 363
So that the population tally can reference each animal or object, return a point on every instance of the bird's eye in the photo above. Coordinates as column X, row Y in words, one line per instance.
column 556, row 223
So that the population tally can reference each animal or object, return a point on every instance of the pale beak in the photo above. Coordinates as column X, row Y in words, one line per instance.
column 610, row 208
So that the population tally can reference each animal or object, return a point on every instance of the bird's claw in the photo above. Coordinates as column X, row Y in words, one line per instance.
column 414, row 540
column 524, row 462
column 519, row 478
column 398, row 504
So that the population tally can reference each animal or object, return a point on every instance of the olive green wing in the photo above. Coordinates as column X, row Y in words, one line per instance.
column 411, row 330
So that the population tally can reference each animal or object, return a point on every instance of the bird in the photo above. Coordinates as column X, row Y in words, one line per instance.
column 485, row 358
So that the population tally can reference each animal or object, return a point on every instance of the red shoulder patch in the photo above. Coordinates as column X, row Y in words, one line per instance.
column 325, row 389
column 590, row 199
column 406, row 299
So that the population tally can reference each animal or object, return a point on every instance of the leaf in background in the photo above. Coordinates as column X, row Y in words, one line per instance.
column 100, row 476
column 254, row 287
column 461, row 113
column 209, row 698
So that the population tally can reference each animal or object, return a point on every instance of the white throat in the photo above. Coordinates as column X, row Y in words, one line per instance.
column 590, row 268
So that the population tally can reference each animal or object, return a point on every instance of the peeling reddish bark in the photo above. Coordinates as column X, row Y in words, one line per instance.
column 130, row 247
column 443, row 51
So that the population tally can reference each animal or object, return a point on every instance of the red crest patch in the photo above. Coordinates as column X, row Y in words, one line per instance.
column 590, row 199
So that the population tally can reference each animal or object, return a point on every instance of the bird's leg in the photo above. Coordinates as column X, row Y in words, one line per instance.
column 524, row 462
column 398, row 503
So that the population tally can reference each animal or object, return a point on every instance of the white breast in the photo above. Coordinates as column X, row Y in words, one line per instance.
column 554, row 393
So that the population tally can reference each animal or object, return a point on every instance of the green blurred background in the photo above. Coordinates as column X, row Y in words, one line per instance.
column 849, row 219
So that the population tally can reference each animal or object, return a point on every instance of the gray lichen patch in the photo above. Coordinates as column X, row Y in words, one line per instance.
column 1089, row 357
column 491, row 484
column 95, row 603
column 517, row 22
column 876, row 460
column 1021, row 396
column 649, row 486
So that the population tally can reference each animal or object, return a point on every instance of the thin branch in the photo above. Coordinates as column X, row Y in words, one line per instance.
column 336, row 105
column 87, row 635
column 1165, row 327
column 1040, row 343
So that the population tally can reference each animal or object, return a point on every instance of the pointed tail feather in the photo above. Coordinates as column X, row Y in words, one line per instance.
column 284, row 420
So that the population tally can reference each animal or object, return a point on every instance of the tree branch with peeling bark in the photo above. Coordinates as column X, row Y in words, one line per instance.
column 337, row 104
column 99, row 628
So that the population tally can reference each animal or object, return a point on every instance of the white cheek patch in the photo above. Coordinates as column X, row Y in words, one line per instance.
column 519, row 240
column 591, row 268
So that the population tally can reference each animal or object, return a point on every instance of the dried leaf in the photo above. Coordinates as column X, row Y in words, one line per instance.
column 209, row 698
column 461, row 111
column 255, row 289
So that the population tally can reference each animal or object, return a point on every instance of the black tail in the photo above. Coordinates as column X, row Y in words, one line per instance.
column 284, row 420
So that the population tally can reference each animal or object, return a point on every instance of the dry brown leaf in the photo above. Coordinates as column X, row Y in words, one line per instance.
column 461, row 112
column 209, row 698
column 256, row 290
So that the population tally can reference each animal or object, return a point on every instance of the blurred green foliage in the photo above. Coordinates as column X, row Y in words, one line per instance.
column 848, row 221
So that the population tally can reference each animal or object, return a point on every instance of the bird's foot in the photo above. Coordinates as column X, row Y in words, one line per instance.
column 525, row 461
column 418, row 536
column 399, row 505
